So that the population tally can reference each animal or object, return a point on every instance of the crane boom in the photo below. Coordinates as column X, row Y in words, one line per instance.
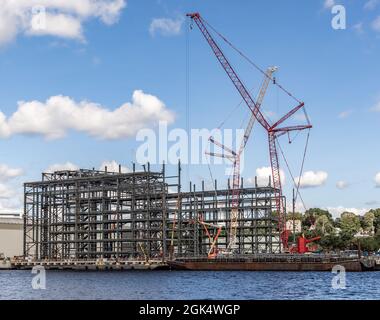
column 229, row 70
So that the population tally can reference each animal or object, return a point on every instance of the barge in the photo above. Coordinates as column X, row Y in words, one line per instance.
column 273, row 262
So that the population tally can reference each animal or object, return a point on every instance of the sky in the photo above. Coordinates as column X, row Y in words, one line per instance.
column 81, row 78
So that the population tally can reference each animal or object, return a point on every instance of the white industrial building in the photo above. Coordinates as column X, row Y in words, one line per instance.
column 11, row 235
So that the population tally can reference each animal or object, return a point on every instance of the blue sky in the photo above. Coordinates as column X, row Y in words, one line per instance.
column 102, row 54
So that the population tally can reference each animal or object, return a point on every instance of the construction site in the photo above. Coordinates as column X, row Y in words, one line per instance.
column 89, row 214
column 147, row 219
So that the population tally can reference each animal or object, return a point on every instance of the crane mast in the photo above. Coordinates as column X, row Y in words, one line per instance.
column 273, row 131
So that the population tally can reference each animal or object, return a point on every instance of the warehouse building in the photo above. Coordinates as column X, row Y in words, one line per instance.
column 11, row 235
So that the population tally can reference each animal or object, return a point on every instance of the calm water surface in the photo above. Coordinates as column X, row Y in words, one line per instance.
column 187, row 285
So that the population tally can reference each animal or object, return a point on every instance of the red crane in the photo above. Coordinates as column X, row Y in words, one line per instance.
column 274, row 131
column 235, row 158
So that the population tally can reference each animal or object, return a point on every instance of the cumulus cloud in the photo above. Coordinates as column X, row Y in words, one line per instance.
column 377, row 180
column 11, row 201
column 60, row 114
column 113, row 166
column 337, row 211
column 311, row 179
column 358, row 27
column 371, row 4
column 166, row 26
column 263, row 175
column 60, row 18
column 59, row 25
column 345, row 114
column 328, row 4
column 7, row 173
column 6, row 192
column 61, row 167
column 342, row 184
column 375, row 108
column 376, row 24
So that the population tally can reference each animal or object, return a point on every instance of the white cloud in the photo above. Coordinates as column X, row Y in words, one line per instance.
column 371, row 4
column 342, row 184
column 60, row 18
column 61, row 167
column 328, row 4
column 358, row 28
column 345, row 114
column 166, row 26
column 299, row 207
column 60, row 114
column 375, row 108
column 377, row 180
column 11, row 200
column 376, row 24
column 337, row 211
column 311, row 179
column 113, row 166
column 7, row 173
column 59, row 25
column 263, row 175
column 6, row 192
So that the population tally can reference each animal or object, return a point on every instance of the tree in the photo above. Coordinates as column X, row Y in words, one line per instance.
column 376, row 221
column 295, row 216
column 324, row 225
column 330, row 242
column 369, row 244
column 349, row 224
column 311, row 215
column 368, row 221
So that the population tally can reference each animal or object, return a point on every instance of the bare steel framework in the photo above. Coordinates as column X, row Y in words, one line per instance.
column 91, row 214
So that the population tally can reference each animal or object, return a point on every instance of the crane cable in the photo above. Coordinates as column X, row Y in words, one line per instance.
column 250, row 61
column 303, row 163
column 187, row 102
column 213, row 183
column 297, row 185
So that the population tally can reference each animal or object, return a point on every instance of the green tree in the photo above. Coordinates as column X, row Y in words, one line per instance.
column 324, row 225
column 311, row 216
column 376, row 221
column 295, row 216
column 368, row 221
column 369, row 244
column 349, row 224
column 330, row 242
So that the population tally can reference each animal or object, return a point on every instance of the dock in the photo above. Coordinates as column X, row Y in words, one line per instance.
column 88, row 265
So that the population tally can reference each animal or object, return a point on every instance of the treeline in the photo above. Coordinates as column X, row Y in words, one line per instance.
column 349, row 231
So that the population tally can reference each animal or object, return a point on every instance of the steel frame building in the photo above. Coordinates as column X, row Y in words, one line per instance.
column 91, row 214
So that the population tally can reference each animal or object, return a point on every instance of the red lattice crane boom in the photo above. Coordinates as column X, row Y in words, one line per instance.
column 273, row 130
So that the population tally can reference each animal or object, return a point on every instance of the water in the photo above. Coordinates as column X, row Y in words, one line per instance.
column 187, row 285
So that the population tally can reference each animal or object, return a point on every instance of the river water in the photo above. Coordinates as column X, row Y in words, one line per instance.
column 188, row 285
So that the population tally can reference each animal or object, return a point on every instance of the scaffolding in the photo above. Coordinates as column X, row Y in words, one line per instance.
column 139, row 215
